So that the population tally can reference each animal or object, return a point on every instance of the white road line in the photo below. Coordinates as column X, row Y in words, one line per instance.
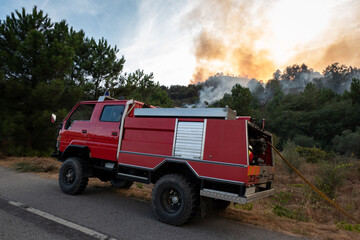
column 64, row 222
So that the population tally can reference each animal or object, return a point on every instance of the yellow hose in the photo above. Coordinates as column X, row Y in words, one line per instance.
column 314, row 188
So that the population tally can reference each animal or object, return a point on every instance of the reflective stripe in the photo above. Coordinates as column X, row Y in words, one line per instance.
column 253, row 170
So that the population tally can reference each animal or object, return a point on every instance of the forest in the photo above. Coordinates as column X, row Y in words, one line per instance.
column 46, row 67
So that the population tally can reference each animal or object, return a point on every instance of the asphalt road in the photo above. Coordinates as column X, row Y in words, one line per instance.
column 32, row 207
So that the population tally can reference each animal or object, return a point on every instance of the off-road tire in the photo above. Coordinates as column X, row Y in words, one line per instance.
column 174, row 199
column 220, row 204
column 122, row 184
column 72, row 176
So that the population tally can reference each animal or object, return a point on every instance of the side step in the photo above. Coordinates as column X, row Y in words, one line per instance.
column 134, row 178
column 232, row 197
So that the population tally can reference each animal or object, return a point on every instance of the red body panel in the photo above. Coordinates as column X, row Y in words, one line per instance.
column 103, row 140
column 148, row 135
column 221, row 172
column 76, row 136
column 148, row 142
column 99, row 135
column 226, row 141
column 77, row 133
column 138, row 160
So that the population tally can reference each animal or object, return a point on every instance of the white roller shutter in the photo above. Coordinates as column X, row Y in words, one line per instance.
column 189, row 140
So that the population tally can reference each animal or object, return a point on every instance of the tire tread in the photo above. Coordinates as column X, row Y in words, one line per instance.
column 188, row 212
column 79, row 186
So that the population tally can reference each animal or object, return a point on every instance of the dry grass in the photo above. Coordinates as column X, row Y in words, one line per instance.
column 47, row 167
column 312, row 217
column 319, row 217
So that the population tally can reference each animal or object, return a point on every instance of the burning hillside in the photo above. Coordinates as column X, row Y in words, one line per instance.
column 252, row 39
column 293, row 79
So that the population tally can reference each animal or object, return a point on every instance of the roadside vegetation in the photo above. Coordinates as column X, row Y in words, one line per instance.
column 41, row 165
column 297, row 209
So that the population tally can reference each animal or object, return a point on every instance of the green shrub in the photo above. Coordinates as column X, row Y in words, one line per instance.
column 305, row 141
column 275, row 140
column 248, row 206
column 282, row 211
column 348, row 142
column 280, row 200
column 312, row 155
column 292, row 156
column 348, row 227
column 330, row 178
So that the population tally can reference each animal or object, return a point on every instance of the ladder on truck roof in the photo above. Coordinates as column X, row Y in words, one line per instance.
column 219, row 113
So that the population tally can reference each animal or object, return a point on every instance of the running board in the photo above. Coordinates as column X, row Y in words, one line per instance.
column 133, row 178
column 232, row 197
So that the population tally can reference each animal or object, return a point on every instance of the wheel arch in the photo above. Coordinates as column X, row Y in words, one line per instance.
column 171, row 166
column 75, row 151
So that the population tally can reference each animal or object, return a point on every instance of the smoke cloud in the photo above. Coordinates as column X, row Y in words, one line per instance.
column 227, row 40
column 340, row 43
column 216, row 86
column 235, row 37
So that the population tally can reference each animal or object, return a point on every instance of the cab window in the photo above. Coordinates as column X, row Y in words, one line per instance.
column 82, row 113
column 112, row 113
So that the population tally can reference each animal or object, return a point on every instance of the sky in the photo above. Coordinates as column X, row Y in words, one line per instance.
column 186, row 41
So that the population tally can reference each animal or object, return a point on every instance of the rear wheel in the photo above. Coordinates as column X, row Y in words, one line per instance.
column 72, row 176
column 122, row 184
column 174, row 199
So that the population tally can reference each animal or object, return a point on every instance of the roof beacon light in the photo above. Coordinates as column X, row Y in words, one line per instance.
column 106, row 96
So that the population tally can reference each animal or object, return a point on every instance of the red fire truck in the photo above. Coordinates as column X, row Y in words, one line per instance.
column 193, row 156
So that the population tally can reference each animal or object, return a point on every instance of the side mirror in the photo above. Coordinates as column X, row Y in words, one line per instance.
column 53, row 118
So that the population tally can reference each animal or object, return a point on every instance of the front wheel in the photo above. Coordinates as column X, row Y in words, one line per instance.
column 72, row 176
column 174, row 199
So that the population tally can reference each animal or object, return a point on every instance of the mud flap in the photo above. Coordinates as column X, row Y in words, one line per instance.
column 206, row 205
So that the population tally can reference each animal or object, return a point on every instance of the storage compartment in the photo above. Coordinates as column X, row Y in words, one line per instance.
column 188, row 142
column 260, row 152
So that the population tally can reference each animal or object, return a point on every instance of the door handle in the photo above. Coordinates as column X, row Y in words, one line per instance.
column 114, row 133
column 84, row 131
